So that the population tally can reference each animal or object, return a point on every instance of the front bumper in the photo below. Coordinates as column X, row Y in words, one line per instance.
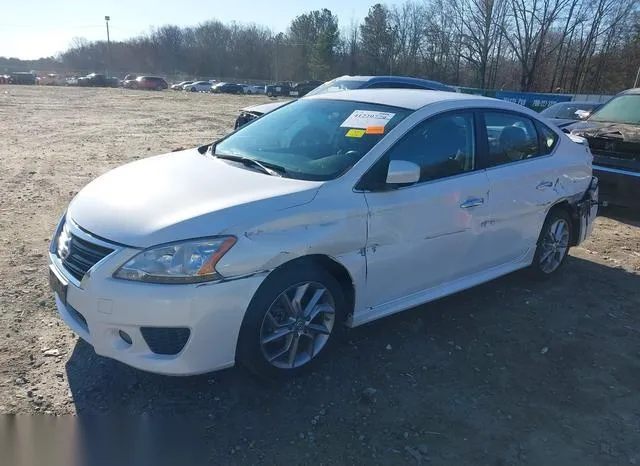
column 619, row 186
column 100, row 309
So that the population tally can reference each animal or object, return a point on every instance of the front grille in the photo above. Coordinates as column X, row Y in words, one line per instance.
column 82, row 256
column 78, row 318
column 165, row 340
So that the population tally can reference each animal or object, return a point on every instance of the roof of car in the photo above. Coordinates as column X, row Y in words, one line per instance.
column 399, row 79
column 635, row 90
column 411, row 99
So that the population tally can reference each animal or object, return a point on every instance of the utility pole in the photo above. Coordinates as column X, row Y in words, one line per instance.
column 106, row 20
column 393, row 38
column 635, row 83
column 276, row 65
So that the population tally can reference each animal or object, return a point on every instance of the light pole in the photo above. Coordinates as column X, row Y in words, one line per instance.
column 106, row 20
column 635, row 83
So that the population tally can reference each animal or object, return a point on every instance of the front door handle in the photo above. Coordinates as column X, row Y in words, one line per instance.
column 544, row 185
column 473, row 202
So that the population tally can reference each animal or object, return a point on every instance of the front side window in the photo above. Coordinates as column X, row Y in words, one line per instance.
column 313, row 139
column 442, row 146
column 511, row 137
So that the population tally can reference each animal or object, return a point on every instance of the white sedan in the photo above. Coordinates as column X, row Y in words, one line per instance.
column 334, row 210
column 198, row 86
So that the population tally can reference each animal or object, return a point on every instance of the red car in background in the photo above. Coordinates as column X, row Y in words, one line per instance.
column 146, row 82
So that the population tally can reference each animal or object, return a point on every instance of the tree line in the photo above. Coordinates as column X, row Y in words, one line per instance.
column 574, row 46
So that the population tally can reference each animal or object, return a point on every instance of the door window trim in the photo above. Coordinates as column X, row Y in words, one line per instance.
column 475, row 114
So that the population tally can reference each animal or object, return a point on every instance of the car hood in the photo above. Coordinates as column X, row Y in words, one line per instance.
column 614, row 144
column 601, row 129
column 178, row 196
column 265, row 108
column 561, row 122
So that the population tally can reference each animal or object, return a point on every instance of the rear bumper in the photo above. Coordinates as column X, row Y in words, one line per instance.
column 618, row 186
column 586, row 210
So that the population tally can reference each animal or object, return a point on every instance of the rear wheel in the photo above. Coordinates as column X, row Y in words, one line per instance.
column 553, row 244
column 291, row 322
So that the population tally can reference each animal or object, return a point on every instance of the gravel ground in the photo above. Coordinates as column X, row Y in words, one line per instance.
column 511, row 372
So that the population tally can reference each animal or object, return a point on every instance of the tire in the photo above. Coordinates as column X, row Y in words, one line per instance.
column 269, row 94
column 271, row 328
column 553, row 245
column 159, row 88
column 193, row 89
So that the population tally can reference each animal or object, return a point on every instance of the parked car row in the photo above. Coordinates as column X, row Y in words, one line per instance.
column 218, row 87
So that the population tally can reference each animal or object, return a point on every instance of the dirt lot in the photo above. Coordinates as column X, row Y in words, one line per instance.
column 512, row 372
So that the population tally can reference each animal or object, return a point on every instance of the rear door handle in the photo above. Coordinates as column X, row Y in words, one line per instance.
column 473, row 202
column 544, row 185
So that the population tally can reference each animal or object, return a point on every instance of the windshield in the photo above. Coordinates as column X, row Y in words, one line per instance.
column 567, row 111
column 621, row 109
column 337, row 85
column 313, row 139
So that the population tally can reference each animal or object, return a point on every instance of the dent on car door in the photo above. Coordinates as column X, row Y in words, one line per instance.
column 523, row 182
column 429, row 233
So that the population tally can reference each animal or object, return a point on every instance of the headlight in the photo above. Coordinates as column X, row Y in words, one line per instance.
column 62, row 225
column 192, row 261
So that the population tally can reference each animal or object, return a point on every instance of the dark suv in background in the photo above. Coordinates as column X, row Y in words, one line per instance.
column 341, row 84
column 150, row 83
column 22, row 78
column 613, row 133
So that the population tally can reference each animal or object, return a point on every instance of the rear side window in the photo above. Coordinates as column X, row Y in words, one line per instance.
column 511, row 137
column 548, row 138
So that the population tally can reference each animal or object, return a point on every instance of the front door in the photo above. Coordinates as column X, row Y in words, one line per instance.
column 432, row 232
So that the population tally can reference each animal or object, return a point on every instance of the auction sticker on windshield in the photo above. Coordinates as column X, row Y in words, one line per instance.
column 364, row 119
column 355, row 133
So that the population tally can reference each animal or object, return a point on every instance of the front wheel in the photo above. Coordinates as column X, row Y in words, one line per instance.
column 291, row 322
column 553, row 245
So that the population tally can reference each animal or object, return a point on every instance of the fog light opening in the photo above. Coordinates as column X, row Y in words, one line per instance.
column 125, row 337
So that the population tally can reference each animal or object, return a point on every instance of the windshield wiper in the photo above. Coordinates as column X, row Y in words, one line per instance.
column 268, row 168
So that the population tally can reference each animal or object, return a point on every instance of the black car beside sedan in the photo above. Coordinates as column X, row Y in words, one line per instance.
column 613, row 133
column 227, row 88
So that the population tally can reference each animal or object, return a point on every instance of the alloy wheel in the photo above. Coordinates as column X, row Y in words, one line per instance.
column 554, row 246
column 297, row 325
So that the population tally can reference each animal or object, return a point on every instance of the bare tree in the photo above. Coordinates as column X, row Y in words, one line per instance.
column 483, row 22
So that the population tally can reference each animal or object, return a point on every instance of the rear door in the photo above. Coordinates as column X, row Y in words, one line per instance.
column 523, row 181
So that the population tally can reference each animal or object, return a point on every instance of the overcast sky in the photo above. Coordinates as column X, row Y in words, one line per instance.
column 38, row 28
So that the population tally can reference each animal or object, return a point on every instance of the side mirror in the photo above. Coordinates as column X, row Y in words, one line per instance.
column 403, row 172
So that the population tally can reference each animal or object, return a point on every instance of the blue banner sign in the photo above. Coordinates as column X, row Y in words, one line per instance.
column 533, row 100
